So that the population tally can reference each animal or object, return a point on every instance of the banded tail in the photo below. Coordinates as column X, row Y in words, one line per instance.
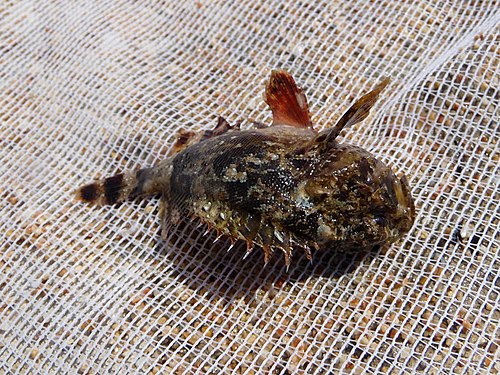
column 118, row 188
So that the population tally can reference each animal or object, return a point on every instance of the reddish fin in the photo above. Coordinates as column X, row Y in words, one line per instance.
column 357, row 113
column 287, row 101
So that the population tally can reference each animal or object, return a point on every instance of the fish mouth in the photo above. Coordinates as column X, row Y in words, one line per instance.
column 406, row 201
column 404, row 215
column 401, row 224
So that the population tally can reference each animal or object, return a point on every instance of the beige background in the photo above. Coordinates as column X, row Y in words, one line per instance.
column 91, row 88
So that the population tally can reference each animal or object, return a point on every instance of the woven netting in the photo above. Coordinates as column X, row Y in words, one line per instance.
column 88, row 89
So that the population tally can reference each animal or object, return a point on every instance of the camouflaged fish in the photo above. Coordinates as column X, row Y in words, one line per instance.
column 280, row 187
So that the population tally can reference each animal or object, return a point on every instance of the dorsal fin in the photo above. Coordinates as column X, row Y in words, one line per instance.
column 221, row 128
column 287, row 101
column 356, row 113
column 186, row 138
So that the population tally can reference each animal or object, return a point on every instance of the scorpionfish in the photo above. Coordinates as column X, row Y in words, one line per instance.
column 279, row 187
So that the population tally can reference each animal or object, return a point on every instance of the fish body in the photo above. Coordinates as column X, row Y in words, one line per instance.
column 280, row 187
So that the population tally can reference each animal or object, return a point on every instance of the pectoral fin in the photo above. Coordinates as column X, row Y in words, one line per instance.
column 171, row 214
column 287, row 101
column 357, row 113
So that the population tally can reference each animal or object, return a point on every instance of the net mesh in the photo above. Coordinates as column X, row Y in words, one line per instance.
column 92, row 88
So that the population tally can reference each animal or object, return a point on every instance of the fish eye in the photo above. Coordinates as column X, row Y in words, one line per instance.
column 380, row 220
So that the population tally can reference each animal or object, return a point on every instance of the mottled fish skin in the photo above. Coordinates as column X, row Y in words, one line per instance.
column 261, row 187
column 280, row 187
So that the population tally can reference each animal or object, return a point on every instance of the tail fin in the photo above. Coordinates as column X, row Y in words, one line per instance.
column 115, row 189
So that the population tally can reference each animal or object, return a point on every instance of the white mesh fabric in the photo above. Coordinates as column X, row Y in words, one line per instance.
column 91, row 88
